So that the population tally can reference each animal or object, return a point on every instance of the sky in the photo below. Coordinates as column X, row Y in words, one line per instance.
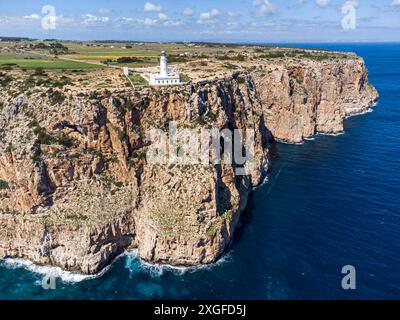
column 261, row 21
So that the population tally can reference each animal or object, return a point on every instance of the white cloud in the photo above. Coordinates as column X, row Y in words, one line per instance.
column 30, row 21
column 33, row 16
column 263, row 7
column 173, row 23
column 396, row 3
column 232, row 14
column 149, row 7
column 162, row 16
column 188, row 12
column 149, row 22
column 91, row 19
column 209, row 14
column 125, row 19
column 322, row 3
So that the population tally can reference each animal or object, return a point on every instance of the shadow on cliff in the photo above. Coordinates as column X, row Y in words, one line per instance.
column 246, row 216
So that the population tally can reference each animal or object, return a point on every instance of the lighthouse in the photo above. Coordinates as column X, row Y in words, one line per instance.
column 163, row 64
column 166, row 77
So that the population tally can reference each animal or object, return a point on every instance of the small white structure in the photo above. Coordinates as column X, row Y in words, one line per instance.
column 166, row 77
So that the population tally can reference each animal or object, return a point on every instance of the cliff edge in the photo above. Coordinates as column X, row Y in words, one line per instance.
column 76, row 189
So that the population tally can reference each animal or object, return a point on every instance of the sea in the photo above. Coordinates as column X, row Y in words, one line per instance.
column 333, row 201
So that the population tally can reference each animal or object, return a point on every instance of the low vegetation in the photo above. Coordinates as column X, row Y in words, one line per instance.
column 43, row 137
column 4, row 185
column 137, row 79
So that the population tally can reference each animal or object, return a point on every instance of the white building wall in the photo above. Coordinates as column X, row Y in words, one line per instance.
column 158, row 80
column 163, row 66
column 164, row 78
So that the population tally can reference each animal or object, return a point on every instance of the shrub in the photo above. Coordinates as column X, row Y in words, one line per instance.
column 272, row 55
column 66, row 141
column 129, row 105
column 177, row 59
column 57, row 97
column 10, row 148
column 33, row 124
column 185, row 78
column 241, row 80
column 211, row 231
column 44, row 138
column 39, row 72
column 121, row 135
column 128, row 60
column 119, row 184
column 4, row 185
column 5, row 80
column 224, row 57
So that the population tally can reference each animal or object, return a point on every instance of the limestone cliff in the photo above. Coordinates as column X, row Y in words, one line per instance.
column 315, row 97
column 76, row 189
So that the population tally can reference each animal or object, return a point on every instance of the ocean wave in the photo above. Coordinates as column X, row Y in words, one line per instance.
column 263, row 183
column 333, row 134
column 369, row 110
column 46, row 270
column 289, row 143
column 134, row 264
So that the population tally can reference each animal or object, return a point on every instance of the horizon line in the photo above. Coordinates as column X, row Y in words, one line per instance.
column 240, row 42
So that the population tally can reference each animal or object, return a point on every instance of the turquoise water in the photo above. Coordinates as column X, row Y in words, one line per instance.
column 330, row 202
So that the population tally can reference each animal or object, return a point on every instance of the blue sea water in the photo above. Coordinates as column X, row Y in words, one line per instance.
column 330, row 202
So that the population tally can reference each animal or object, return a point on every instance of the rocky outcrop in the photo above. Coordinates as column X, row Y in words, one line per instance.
column 76, row 189
column 315, row 97
column 80, row 191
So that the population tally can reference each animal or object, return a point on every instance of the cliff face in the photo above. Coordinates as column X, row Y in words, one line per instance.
column 79, row 190
column 76, row 189
column 302, row 100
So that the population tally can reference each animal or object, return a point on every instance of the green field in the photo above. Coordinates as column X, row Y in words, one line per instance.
column 96, row 54
column 34, row 61
column 87, row 55
column 137, row 79
column 47, row 64
column 125, row 53
column 35, row 54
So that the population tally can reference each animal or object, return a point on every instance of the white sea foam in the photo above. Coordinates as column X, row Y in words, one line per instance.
column 134, row 264
column 57, row 272
column 330, row 134
column 369, row 110
column 290, row 143
column 263, row 183
column 132, row 261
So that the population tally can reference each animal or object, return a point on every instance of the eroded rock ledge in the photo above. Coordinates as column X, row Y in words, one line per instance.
column 76, row 189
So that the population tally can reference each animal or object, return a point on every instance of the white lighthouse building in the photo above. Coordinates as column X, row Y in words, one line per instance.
column 166, row 77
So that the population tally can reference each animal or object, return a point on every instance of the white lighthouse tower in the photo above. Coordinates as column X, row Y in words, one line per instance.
column 166, row 77
column 164, row 64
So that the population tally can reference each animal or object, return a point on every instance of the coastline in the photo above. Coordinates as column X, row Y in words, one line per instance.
column 287, row 103
column 157, row 268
